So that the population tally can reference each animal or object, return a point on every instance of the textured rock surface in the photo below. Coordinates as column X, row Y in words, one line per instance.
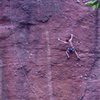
column 33, row 64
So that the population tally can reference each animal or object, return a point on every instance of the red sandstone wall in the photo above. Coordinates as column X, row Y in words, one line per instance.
column 33, row 63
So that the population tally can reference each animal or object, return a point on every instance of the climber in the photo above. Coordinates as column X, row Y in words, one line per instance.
column 71, row 49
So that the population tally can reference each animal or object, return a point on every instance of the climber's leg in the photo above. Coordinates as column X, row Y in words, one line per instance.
column 78, row 58
column 67, row 55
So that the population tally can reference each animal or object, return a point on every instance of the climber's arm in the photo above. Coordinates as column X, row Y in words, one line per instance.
column 62, row 41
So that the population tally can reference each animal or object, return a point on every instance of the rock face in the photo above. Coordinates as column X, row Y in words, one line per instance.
column 33, row 63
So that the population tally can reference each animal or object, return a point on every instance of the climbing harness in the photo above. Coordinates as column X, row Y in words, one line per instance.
column 71, row 50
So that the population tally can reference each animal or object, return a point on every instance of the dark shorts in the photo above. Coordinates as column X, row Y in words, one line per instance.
column 71, row 50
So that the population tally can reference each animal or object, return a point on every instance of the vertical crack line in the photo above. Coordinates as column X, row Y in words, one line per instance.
column 4, row 88
column 49, row 72
column 96, row 32
column 1, row 72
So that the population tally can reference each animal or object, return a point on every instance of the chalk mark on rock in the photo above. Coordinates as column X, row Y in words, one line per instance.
column 49, row 72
